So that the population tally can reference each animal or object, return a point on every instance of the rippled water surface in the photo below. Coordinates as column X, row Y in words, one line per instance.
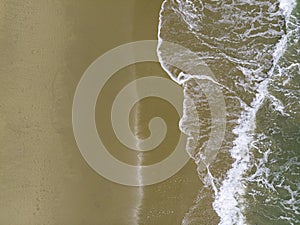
column 252, row 51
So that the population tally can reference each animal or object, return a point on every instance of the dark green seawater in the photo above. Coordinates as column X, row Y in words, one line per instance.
column 273, row 185
column 252, row 49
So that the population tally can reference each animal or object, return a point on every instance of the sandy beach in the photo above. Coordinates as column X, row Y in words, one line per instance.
column 47, row 46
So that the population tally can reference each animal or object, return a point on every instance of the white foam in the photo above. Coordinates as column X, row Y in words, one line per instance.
column 287, row 6
column 229, row 201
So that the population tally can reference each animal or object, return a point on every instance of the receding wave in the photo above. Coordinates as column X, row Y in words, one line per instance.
column 244, row 45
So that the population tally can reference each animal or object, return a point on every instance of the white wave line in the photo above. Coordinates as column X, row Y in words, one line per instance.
column 232, row 188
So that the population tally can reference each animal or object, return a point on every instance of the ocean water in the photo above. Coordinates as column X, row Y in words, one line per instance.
column 250, row 52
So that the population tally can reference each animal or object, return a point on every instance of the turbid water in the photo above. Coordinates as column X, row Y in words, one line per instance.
column 252, row 48
column 249, row 54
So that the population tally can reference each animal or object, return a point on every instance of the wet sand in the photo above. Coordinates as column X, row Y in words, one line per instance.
column 46, row 46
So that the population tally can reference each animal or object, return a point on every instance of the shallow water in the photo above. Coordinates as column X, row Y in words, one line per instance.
column 252, row 49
